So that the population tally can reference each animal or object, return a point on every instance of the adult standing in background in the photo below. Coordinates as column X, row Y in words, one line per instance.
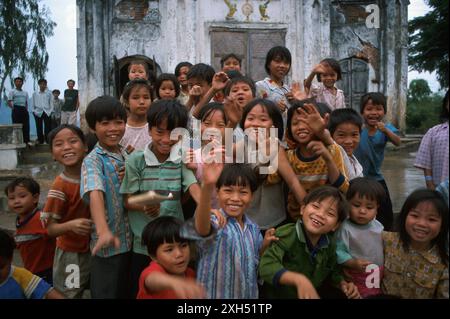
column 42, row 110
column 70, row 106
column 18, row 102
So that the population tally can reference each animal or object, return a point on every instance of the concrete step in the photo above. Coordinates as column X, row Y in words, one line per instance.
column 38, row 154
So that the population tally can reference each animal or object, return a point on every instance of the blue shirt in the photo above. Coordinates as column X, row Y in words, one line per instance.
column 100, row 171
column 370, row 152
column 22, row 284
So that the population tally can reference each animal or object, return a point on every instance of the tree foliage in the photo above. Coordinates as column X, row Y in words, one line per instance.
column 428, row 41
column 24, row 27
column 418, row 90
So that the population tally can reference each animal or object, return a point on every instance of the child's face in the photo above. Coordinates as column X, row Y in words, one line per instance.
column 301, row 132
column 5, row 266
column 139, row 101
column 258, row 118
column 167, row 90
column 42, row 86
column 278, row 68
column 205, row 86
column 68, row 149
column 173, row 257
column 329, row 78
column 70, row 85
column 137, row 71
column 213, row 125
column 161, row 142
column 373, row 113
column 18, row 83
column 110, row 132
column 362, row 209
column 234, row 199
column 423, row 223
column 182, row 77
column 320, row 217
column 21, row 201
column 55, row 95
column 241, row 93
column 347, row 135
column 231, row 64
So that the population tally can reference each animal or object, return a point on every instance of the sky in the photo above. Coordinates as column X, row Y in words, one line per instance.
column 62, row 49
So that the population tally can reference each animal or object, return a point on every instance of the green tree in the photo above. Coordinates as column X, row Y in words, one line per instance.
column 418, row 90
column 428, row 41
column 24, row 26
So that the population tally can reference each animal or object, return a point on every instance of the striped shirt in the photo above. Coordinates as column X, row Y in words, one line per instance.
column 100, row 171
column 22, row 284
column 18, row 97
column 433, row 152
column 144, row 172
column 228, row 259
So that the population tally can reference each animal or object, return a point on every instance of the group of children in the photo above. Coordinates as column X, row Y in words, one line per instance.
column 316, row 224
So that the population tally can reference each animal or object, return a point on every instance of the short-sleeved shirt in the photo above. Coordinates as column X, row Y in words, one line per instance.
column 370, row 151
column 144, row 172
column 137, row 137
column 36, row 248
column 70, row 100
column 324, row 95
column 64, row 204
column 433, row 152
column 100, row 171
column 268, row 89
column 165, row 294
column 293, row 252
column 19, row 98
column 413, row 274
column 228, row 258
column 22, row 284
column 57, row 106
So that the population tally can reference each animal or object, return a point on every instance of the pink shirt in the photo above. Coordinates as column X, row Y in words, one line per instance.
column 324, row 95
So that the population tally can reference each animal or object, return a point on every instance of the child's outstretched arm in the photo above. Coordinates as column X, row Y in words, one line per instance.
column 316, row 70
column 289, row 176
column 79, row 226
column 394, row 138
column 184, row 288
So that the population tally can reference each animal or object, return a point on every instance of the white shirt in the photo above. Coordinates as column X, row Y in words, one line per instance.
column 42, row 102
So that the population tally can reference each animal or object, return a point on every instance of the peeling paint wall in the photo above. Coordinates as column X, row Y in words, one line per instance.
column 179, row 30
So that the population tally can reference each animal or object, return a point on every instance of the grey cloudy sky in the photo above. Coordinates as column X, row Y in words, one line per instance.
column 62, row 46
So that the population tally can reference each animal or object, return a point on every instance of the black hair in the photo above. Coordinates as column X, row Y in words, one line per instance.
column 240, row 79
column 366, row 187
column 56, row 91
column 18, row 78
column 138, row 83
column 444, row 110
column 104, row 108
column 377, row 99
column 180, row 65
column 238, row 174
column 297, row 104
column 272, row 110
column 164, row 229
column 320, row 193
column 332, row 63
column 91, row 141
column 202, row 72
column 7, row 245
column 26, row 182
column 139, row 62
column 278, row 52
column 228, row 56
column 346, row 115
column 70, row 80
column 411, row 202
column 171, row 110
column 73, row 128
column 167, row 77
column 42, row 81
column 210, row 108
column 233, row 74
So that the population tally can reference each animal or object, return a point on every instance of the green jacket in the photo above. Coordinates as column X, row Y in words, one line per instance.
column 291, row 253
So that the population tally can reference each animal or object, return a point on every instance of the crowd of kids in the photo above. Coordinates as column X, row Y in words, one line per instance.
column 272, row 191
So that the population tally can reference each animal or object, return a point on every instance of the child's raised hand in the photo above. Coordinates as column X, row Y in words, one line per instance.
column 350, row 290
column 81, row 226
column 195, row 91
column 189, row 289
column 212, row 167
column 219, row 81
column 232, row 110
column 152, row 210
column 106, row 239
column 297, row 92
column 318, row 69
column 311, row 116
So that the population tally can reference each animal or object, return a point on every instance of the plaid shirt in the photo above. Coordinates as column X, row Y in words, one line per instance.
column 433, row 152
column 100, row 171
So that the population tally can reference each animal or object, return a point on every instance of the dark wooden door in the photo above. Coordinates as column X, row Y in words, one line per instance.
column 355, row 76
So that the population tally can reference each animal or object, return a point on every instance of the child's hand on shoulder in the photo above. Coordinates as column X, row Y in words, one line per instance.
column 269, row 236
column 350, row 290
column 81, row 226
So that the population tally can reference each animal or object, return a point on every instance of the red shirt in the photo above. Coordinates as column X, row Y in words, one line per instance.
column 36, row 248
column 165, row 294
